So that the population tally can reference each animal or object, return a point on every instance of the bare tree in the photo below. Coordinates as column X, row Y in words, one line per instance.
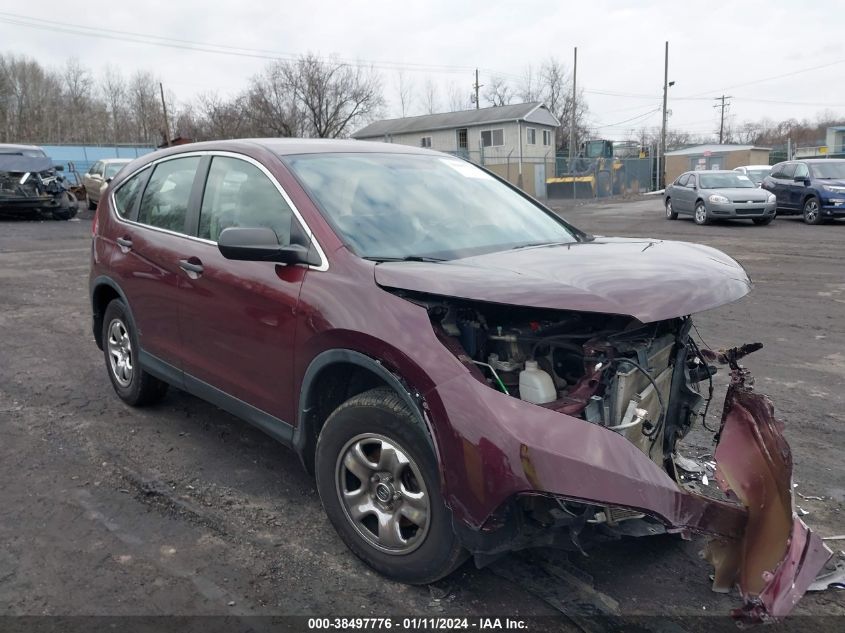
column 556, row 93
column 333, row 96
column 145, row 108
column 429, row 96
column 498, row 92
column 530, row 87
column 272, row 108
column 114, row 92
column 458, row 98
column 405, row 93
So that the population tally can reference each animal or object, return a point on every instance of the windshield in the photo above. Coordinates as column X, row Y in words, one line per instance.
column 725, row 181
column 113, row 168
column 830, row 171
column 400, row 206
column 757, row 175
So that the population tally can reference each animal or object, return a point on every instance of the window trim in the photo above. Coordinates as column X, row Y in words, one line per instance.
column 491, row 130
column 324, row 262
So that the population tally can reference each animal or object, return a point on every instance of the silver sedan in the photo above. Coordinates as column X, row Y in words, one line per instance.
column 718, row 195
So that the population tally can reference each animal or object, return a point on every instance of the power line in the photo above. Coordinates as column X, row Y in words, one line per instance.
column 220, row 49
column 639, row 116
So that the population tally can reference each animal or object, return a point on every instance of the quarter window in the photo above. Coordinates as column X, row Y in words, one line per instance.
column 532, row 135
column 165, row 201
column 127, row 194
column 493, row 138
column 237, row 193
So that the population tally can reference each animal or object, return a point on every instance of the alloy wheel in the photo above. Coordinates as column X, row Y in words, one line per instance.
column 383, row 493
column 701, row 214
column 811, row 211
column 120, row 353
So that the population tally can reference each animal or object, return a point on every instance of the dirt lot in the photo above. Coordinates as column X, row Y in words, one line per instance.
column 182, row 509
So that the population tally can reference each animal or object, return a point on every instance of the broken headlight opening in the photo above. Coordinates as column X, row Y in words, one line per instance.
column 648, row 383
column 31, row 184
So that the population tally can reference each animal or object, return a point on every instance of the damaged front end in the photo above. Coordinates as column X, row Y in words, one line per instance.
column 592, row 407
column 29, row 185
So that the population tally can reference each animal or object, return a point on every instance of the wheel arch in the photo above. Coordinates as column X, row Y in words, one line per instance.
column 334, row 376
column 104, row 290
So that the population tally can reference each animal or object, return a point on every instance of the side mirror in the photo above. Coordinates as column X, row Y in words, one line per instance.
column 59, row 167
column 800, row 179
column 261, row 245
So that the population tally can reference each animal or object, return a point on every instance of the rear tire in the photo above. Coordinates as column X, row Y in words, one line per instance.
column 120, row 349
column 701, row 216
column 812, row 211
column 670, row 212
column 379, row 482
column 763, row 221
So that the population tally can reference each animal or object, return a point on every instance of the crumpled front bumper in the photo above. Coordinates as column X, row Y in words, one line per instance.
column 502, row 447
column 778, row 556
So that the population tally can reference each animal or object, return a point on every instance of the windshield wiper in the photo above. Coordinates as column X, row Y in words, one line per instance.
column 534, row 244
column 407, row 258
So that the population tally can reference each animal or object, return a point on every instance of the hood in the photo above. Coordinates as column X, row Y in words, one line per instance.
column 650, row 280
column 741, row 194
column 836, row 182
column 17, row 163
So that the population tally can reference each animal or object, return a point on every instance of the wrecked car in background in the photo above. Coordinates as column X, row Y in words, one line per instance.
column 30, row 185
column 464, row 372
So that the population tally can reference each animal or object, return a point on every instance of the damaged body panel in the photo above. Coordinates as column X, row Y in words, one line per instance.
column 29, row 185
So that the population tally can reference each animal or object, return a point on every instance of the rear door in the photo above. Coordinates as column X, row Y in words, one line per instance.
column 680, row 195
column 147, row 258
column 783, row 182
column 239, row 317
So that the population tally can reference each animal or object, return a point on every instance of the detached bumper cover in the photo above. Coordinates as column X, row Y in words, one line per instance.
column 778, row 557
column 503, row 446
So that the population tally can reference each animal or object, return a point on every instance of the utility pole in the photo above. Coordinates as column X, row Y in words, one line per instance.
column 476, row 85
column 573, row 108
column 722, row 105
column 166, row 123
column 661, row 162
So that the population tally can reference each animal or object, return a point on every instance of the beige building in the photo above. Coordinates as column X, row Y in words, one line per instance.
column 515, row 141
column 713, row 156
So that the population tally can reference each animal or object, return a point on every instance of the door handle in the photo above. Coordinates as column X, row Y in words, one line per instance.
column 194, row 269
column 125, row 242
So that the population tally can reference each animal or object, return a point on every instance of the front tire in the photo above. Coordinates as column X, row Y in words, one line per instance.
column 701, row 216
column 379, row 482
column 670, row 212
column 812, row 211
column 120, row 349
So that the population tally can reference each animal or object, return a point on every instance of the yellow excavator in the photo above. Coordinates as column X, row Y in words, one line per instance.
column 599, row 171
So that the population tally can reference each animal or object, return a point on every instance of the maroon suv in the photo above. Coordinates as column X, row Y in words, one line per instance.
column 464, row 372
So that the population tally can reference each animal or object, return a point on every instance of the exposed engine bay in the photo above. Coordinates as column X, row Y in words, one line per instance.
column 640, row 381
column 31, row 184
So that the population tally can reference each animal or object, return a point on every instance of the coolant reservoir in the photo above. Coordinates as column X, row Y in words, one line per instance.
column 535, row 385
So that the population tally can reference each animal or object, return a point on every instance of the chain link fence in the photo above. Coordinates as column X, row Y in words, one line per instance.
column 554, row 176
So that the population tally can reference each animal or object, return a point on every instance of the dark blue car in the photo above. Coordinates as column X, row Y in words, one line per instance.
column 814, row 188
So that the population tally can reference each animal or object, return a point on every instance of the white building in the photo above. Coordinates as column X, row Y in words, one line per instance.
column 511, row 140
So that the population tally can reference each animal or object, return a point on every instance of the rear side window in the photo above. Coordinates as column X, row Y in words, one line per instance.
column 237, row 193
column 127, row 194
column 165, row 201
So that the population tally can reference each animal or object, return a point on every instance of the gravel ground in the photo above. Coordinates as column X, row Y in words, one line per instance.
column 180, row 509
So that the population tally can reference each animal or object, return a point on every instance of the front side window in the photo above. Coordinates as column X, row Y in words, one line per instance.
column 788, row 170
column 399, row 206
column 532, row 136
column 165, row 201
column 127, row 194
column 239, row 194
column 492, row 138
column 801, row 171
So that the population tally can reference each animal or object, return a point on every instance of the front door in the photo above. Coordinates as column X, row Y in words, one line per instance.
column 238, row 317
column 797, row 187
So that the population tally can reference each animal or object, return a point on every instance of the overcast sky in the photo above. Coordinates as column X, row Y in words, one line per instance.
column 715, row 47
